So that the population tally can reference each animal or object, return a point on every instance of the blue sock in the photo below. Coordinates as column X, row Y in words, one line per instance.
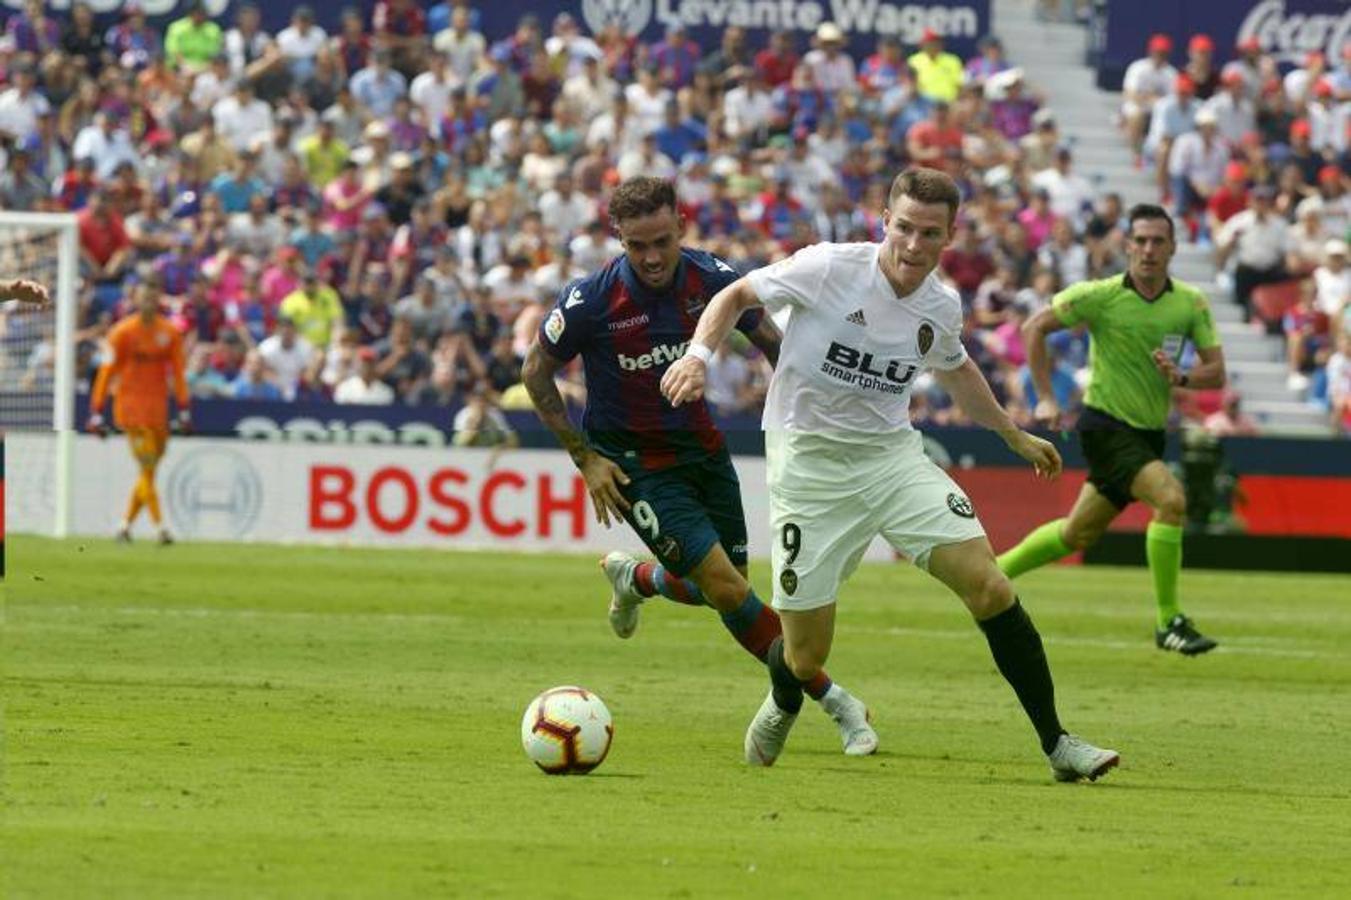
column 652, row 579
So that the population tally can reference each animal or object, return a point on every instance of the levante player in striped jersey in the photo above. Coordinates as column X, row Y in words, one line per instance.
column 665, row 470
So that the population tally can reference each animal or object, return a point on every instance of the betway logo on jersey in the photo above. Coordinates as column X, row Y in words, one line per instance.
column 905, row 20
column 1290, row 36
column 661, row 355
column 864, row 370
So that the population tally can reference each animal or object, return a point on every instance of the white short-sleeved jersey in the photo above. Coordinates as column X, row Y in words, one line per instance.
column 851, row 348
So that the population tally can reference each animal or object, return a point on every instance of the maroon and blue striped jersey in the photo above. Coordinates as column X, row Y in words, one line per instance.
column 627, row 335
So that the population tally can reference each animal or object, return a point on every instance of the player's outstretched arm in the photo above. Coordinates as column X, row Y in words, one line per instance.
column 972, row 393
column 684, row 380
column 24, row 290
column 603, row 478
column 1035, row 331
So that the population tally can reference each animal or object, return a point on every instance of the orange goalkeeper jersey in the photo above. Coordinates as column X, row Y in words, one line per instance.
column 144, row 356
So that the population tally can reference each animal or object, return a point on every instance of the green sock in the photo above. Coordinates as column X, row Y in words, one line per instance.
column 1163, row 549
column 1043, row 545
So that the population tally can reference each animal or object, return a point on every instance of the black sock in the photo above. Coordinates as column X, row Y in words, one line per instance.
column 787, row 687
column 1018, row 653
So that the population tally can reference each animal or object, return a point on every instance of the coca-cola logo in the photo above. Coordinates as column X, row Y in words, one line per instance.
column 1290, row 36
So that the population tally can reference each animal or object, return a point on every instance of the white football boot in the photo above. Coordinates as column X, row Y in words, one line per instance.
column 1074, row 759
column 852, row 718
column 619, row 568
column 767, row 733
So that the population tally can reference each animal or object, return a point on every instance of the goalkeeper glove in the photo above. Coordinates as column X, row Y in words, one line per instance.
column 97, row 425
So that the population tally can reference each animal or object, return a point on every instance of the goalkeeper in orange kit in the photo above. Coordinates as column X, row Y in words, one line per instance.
column 145, row 352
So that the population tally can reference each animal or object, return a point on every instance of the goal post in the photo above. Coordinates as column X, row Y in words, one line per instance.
column 37, row 346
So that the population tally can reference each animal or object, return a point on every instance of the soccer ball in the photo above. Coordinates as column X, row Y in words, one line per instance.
column 567, row 731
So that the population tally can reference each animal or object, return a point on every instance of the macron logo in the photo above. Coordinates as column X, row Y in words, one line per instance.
column 661, row 355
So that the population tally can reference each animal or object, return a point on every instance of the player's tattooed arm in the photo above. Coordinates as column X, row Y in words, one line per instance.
column 538, row 377
column 604, row 480
column 768, row 338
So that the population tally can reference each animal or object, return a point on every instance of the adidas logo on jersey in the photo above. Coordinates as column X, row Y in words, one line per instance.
column 661, row 355
column 857, row 318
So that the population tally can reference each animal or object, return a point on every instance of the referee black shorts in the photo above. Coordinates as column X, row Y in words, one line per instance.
column 1116, row 452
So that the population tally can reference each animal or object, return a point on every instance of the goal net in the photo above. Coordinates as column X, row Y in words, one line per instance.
column 37, row 346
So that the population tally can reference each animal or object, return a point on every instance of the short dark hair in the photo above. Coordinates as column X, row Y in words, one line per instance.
column 926, row 186
column 641, row 196
column 1149, row 211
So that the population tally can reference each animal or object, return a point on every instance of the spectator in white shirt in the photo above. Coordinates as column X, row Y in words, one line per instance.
column 617, row 128
column 364, row 388
column 510, row 286
column 105, row 143
column 550, row 278
column 833, row 68
column 21, row 106
column 646, row 160
column 563, row 210
column 241, row 116
column 1299, row 82
column 286, row 354
column 1146, row 81
column 1234, row 112
column 214, row 84
column 594, row 249
column 430, row 91
column 257, row 232
column 647, row 100
column 1333, row 279
column 1196, row 164
column 748, row 108
column 426, row 310
column 1257, row 238
column 568, row 44
column 1071, row 194
column 591, row 91
column 300, row 42
column 1328, row 120
column 1063, row 255
column 1172, row 117
column 464, row 48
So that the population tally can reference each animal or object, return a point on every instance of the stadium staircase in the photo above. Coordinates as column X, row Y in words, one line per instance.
column 1053, row 57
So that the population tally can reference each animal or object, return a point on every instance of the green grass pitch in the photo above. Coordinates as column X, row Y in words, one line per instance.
column 264, row 721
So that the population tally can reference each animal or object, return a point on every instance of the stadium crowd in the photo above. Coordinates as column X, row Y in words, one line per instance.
column 384, row 215
column 1255, row 162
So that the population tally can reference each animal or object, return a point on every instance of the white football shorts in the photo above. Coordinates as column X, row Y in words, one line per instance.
column 828, row 500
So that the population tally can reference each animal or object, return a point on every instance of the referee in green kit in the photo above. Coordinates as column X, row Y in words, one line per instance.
column 1138, row 323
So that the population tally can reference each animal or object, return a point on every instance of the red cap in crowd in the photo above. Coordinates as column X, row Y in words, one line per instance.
column 1160, row 43
column 1322, row 88
column 1200, row 42
column 929, row 35
column 1235, row 171
column 1231, row 77
column 1300, row 128
column 367, row 354
column 1184, row 84
column 1250, row 45
column 1329, row 173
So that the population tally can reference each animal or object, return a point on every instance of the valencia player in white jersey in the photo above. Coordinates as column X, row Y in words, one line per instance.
column 845, row 465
